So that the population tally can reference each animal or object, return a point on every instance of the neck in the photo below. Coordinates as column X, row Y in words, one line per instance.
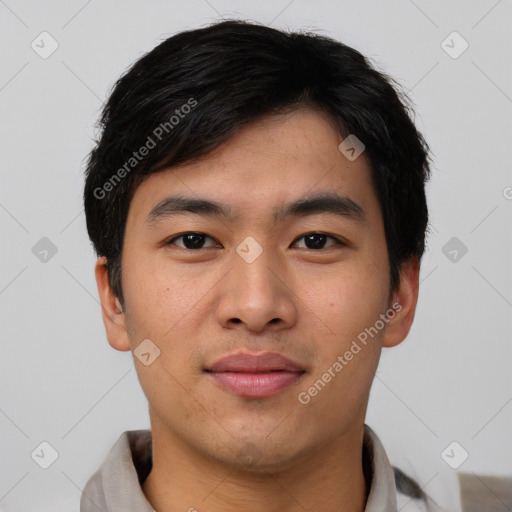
column 330, row 478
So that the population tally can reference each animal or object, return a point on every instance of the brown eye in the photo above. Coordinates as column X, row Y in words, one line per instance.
column 190, row 241
column 316, row 241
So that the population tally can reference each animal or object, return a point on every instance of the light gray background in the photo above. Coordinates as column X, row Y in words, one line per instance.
column 60, row 380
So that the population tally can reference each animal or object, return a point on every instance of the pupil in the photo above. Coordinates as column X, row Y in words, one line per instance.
column 317, row 241
column 193, row 241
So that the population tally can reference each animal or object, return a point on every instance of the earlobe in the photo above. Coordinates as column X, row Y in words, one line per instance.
column 111, row 309
column 404, row 304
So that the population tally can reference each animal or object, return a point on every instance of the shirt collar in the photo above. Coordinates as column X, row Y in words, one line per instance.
column 116, row 486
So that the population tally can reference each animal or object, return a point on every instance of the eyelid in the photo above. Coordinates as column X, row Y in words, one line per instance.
column 339, row 241
column 169, row 241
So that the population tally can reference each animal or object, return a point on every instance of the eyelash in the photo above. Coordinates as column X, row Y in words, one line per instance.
column 338, row 242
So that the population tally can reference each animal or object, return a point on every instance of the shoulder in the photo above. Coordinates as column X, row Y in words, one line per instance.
column 410, row 496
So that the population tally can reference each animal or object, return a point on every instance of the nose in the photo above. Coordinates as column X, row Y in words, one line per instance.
column 257, row 296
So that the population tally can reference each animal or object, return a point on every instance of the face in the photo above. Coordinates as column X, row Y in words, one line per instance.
column 285, row 272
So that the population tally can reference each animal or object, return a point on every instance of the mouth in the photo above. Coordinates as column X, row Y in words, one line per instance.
column 255, row 376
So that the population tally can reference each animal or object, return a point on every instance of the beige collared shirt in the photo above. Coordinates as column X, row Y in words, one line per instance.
column 116, row 486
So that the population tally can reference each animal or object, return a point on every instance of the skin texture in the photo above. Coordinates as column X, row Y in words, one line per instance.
column 307, row 304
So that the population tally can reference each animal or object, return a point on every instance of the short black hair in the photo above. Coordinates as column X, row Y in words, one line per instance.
column 194, row 90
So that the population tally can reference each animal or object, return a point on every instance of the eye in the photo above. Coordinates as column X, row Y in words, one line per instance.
column 191, row 240
column 318, row 241
column 196, row 241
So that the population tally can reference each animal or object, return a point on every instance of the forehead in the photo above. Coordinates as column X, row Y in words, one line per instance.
column 272, row 161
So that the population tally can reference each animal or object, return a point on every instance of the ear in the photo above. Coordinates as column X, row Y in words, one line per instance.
column 112, row 311
column 403, row 304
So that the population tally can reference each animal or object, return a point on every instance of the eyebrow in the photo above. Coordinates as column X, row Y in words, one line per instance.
column 311, row 205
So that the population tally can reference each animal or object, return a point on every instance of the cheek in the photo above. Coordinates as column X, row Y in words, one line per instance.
column 157, row 297
column 162, row 305
column 348, row 299
column 349, row 305
column 159, row 310
column 347, row 354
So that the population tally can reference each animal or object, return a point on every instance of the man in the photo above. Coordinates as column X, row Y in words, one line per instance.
column 257, row 203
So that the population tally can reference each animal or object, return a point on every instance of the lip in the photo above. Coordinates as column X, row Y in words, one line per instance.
column 246, row 362
column 255, row 375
